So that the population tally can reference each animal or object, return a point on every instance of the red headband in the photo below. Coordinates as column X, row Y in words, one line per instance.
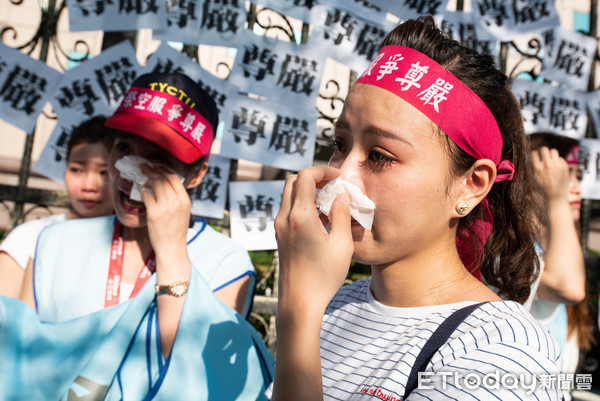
column 444, row 99
column 573, row 156
column 456, row 110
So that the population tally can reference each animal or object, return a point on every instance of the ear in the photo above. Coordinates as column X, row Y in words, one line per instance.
column 196, row 174
column 477, row 182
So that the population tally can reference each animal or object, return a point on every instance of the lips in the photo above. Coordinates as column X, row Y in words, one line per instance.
column 89, row 203
column 129, row 205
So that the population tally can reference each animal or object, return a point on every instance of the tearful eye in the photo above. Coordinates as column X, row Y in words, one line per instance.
column 379, row 158
column 335, row 144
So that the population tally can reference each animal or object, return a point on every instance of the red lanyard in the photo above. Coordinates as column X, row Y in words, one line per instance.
column 115, row 270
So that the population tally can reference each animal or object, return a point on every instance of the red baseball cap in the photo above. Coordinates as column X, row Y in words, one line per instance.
column 170, row 110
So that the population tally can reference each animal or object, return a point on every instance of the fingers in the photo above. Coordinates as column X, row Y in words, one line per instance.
column 164, row 187
column 341, row 220
column 547, row 157
column 298, row 196
column 311, row 178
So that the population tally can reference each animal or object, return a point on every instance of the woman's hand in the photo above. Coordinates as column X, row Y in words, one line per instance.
column 313, row 263
column 551, row 173
column 168, row 208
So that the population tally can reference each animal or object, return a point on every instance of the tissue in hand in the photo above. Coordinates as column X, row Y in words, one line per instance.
column 129, row 167
column 361, row 207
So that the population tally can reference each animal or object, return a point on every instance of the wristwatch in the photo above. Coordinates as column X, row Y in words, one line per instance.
column 176, row 289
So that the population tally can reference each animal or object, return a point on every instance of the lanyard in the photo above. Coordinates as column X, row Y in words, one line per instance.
column 115, row 270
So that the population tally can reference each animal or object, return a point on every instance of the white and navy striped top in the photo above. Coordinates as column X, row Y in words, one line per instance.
column 499, row 352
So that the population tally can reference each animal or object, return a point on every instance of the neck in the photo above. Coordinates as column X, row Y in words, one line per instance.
column 136, row 237
column 427, row 280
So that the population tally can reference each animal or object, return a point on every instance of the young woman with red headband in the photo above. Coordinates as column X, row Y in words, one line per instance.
column 432, row 134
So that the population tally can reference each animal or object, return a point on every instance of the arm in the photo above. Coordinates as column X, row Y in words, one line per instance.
column 26, row 294
column 309, row 277
column 12, row 276
column 563, row 278
column 234, row 295
column 168, row 208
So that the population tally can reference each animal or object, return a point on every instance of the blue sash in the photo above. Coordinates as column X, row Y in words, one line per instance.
column 114, row 354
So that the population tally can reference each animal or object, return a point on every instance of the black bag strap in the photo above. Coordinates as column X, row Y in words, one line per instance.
column 437, row 339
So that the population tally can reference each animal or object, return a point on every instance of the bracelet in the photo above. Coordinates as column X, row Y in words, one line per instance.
column 176, row 289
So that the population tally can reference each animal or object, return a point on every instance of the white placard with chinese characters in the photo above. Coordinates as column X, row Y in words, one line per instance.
column 168, row 60
column 53, row 159
column 208, row 198
column 278, row 70
column 460, row 26
column 510, row 20
column 593, row 105
column 413, row 9
column 551, row 108
column 87, row 15
column 568, row 57
column 209, row 22
column 253, row 206
column 274, row 134
column 350, row 35
column 25, row 86
column 95, row 87
column 589, row 159
column 183, row 22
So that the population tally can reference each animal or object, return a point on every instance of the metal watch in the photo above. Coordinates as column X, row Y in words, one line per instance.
column 176, row 289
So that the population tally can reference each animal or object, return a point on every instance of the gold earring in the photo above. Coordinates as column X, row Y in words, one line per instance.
column 462, row 208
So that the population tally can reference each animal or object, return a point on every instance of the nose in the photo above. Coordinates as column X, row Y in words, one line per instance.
column 575, row 186
column 91, row 182
column 350, row 168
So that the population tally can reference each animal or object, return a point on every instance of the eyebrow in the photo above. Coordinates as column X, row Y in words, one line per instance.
column 375, row 131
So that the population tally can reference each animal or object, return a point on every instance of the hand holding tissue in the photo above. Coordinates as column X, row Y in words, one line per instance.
column 130, row 169
column 362, row 209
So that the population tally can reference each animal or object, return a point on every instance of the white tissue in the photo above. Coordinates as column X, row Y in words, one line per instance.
column 129, row 167
column 361, row 207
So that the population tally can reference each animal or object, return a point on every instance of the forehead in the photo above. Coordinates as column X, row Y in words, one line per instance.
column 371, row 106
column 86, row 151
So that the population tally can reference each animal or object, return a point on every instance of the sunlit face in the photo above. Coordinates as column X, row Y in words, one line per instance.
column 129, row 212
column 86, row 179
column 574, row 195
column 396, row 156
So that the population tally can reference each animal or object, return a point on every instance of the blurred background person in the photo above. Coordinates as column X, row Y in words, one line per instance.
column 86, row 181
column 559, row 301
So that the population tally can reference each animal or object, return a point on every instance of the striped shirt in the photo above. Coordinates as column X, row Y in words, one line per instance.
column 499, row 352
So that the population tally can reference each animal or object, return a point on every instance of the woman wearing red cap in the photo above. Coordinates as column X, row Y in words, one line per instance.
column 432, row 134
column 178, row 277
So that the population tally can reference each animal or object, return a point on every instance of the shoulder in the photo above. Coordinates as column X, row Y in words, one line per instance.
column 217, row 257
column 501, row 333
column 77, row 230
column 207, row 238
column 82, row 224
column 24, row 237
column 34, row 227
